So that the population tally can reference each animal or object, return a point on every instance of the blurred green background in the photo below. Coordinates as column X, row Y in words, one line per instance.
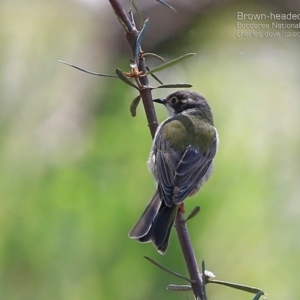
column 73, row 176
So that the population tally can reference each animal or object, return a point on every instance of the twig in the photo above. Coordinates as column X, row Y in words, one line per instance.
column 131, row 35
column 189, row 256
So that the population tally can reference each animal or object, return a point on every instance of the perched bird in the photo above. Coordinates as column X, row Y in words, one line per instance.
column 181, row 161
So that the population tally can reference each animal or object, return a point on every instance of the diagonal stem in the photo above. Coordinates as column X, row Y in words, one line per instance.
column 120, row 13
column 131, row 35
column 189, row 256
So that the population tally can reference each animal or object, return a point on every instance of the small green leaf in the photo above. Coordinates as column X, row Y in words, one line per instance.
column 134, row 104
column 131, row 18
column 179, row 288
column 139, row 40
column 169, row 63
column 173, row 85
column 166, row 4
column 258, row 295
column 124, row 78
column 122, row 23
column 193, row 213
column 89, row 72
column 155, row 77
column 155, row 56
column 141, row 19
column 166, row 269
column 237, row 286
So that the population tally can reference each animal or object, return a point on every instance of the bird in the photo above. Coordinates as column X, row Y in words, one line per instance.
column 180, row 160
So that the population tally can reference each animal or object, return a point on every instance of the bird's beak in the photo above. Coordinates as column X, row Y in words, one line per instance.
column 160, row 100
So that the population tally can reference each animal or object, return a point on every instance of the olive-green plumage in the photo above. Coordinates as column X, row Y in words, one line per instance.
column 180, row 161
column 183, row 130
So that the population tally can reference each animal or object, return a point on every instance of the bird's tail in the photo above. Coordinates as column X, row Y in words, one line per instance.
column 143, row 225
column 155, row 224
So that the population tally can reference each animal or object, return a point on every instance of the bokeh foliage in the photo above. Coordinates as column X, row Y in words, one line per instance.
column 73, row 176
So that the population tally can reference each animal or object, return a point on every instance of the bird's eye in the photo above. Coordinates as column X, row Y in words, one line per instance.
column 174, row 100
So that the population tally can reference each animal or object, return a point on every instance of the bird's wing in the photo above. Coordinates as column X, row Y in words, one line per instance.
column 179, row 172
column 191, row 169
column 166, row 164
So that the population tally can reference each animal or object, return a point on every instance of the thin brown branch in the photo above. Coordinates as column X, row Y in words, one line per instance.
column 189, row 256
column 131, row 35
column 120, row 13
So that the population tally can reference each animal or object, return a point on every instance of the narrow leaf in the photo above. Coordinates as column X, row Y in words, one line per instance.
column 170, row 63
column 166, row 4
column 131, row 18
column 258, row 295
column 124, row 78
column 139, row 40
column 179, row 288
column 237, row 286
column 173, row 85
column 155, row 77
column 193, row 213
column 155, row 56
column 89, row 72
column 141, row 19
column 123, row 24
column 166, row 269
column 134, row 104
